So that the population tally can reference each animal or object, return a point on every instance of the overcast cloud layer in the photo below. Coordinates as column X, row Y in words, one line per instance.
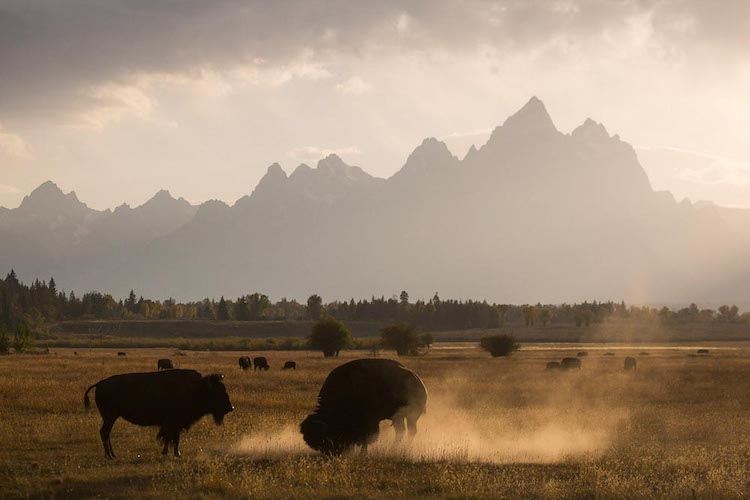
column 118, row 99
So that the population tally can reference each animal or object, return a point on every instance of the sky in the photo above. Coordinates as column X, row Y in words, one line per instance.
column 117, row 99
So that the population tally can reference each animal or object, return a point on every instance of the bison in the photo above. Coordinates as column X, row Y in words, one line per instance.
column 245, row 362
column 260, row 363
column 570, row 363
column 553, row 365
column 121, row 353
column 355, row 397
column 164, row 364
column 173, row 400
column 702, row 351
column 629, row 364
column 290, row 365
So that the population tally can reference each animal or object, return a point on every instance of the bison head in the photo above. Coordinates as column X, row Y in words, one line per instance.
column 335, row 434
column 218, row 399
column 317, row 434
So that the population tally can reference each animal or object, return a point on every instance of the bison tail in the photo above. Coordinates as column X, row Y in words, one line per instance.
column 86, row 400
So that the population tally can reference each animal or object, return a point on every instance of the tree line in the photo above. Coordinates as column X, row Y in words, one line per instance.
column 25, row 310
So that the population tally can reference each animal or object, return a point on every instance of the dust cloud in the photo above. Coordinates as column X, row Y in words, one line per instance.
column 564, row 420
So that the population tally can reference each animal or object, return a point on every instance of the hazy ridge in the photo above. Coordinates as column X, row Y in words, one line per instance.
column 532, row 215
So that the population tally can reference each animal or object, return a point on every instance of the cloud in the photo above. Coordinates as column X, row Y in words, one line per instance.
column 8, row 189
column 313, row 153
column 13, row 146
column 697, row 175
column 53, row 53
column 353, row 86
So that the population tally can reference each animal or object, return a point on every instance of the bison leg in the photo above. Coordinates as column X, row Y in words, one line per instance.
column 411, row 423
column 105, row 433
column 399, row 427
column 176, row 441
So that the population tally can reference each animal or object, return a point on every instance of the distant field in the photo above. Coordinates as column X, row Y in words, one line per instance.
column 677, row 427
column 274, row 335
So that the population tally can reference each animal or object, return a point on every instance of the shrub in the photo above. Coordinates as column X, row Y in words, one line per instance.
column 400, row 337
column 499, row 345
column 426, row 340
column 330, row 336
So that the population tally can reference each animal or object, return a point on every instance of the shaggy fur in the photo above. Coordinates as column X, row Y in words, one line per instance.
column 355, row 397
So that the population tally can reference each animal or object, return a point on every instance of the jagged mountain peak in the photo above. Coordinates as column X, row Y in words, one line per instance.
column 591, row 130
column 532, row 117
column 431, row 155
column 275, row 171
column 274, row 179
column 49, row 198
column 530, row 123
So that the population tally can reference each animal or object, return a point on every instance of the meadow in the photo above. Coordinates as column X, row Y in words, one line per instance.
column 505, row 427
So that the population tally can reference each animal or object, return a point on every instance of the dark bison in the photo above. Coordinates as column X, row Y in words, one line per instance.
column 629, row 364
column 121, row 353
column 260, row 363
column 245, row 362
column 702, row 351
column 355, row 397
column 290, row 365
column 172, row 399
column 164, row 364
column 570, row 364
column 553, row 365
column 583, row 354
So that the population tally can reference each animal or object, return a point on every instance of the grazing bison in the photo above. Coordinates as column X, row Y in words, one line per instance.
column 553, row 365
column 583, row 354
column 355, row 397
column 245, row 362
column 570, row 364
column 629, row 364
column 121, row 353
column 290, row 365
column 260, row 363
column 164, row 364
column 172, row 399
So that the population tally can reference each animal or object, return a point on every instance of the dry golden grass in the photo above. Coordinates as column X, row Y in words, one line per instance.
column 677, row 427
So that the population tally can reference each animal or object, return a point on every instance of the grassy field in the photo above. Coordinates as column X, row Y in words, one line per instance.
column 677, row 427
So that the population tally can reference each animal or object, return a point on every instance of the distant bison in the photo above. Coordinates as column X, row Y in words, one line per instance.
column 121, row 353
column 583, row 354
column 702, row 351
column 245, row 362
column 355, row 397
column 172, row 399
column 570, row 364
column 553, row 365
column 290, row 365
column 629, row 364
column 260, row 363
column 164, row 364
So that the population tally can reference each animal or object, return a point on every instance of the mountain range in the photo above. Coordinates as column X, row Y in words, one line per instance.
column 532, row 215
